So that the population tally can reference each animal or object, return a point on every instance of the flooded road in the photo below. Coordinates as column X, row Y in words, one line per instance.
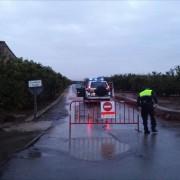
column 98, row 152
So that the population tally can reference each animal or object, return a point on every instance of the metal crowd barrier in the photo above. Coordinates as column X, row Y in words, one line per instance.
column 82, row 112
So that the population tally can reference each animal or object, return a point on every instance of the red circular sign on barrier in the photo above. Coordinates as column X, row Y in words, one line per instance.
column 107, row 106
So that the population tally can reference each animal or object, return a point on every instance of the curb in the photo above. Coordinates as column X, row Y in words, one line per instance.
column 44, row 110
column 34, row 140
column 169, row 114
column 162, row 108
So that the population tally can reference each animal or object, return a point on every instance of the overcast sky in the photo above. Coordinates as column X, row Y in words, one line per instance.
column 90, row 38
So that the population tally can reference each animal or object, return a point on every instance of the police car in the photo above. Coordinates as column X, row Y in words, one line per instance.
column 98, row 89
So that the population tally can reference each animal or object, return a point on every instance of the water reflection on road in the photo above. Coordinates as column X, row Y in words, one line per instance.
column 96, row 148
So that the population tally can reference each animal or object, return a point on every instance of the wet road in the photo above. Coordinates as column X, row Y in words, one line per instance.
column 98, row 153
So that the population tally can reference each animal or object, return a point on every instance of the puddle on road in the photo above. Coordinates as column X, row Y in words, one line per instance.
column 97, row 149
column 89, row 149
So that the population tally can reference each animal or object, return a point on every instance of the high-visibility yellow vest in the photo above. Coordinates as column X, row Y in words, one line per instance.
column 146, row 92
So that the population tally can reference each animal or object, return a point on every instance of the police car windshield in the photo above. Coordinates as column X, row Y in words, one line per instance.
column 97, row 84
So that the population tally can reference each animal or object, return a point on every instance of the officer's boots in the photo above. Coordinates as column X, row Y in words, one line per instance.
column 154, row 130
column 146, row 131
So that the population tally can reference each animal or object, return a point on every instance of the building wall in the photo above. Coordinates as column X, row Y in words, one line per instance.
column 5, row 51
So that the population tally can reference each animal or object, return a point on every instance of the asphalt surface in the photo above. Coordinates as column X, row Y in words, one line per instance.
column 95, row 152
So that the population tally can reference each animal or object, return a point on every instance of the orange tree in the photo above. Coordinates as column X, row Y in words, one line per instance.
column 163, row 83
column 14, row 77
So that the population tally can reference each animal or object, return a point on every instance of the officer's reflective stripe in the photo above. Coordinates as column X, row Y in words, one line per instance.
column 146, row 92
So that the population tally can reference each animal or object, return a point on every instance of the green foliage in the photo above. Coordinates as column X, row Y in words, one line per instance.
column 14, row 77
column 164, row 84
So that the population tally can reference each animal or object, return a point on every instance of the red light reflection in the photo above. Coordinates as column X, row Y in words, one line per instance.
column 89, row 127
column 107, row 127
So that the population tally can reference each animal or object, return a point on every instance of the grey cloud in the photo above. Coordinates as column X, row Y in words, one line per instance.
column 82, row 39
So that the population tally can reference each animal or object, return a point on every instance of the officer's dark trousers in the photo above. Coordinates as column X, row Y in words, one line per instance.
column 145, row 112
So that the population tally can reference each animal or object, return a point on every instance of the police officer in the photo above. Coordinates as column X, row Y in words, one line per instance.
column 146, row 102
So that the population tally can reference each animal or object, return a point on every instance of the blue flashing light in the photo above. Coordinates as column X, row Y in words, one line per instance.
column 97, row 79
column 100, row 78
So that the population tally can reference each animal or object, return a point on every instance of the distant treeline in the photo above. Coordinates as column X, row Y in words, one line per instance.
column 14, row 77
column 164, row 84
